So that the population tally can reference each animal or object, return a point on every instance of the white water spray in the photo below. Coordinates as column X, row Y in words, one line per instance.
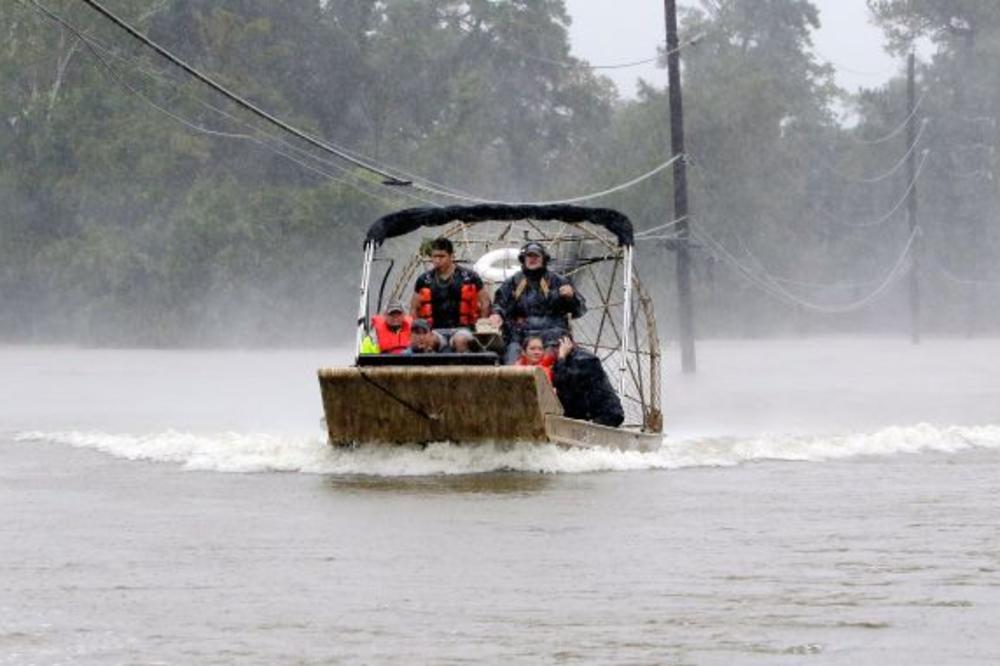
column 260, row 452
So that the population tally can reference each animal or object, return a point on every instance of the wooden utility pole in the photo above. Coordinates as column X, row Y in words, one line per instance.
column 686, row 310
column 911, row 203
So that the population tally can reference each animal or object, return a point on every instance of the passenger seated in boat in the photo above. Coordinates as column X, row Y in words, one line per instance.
column 583, row 387
column 535, row 301
column 448, row 296
column 424, row 339
column 462, row 341
column 392, row 329
column 534, row 353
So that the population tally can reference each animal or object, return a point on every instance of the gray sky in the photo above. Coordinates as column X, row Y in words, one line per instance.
column 610, row 32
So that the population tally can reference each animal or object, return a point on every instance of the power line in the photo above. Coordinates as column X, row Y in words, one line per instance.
column 94, row 45
column 659, row 227
column 357, row 182
column 766, row 281
column 577, row 65
column 894, row 169
column 240, row 101
column 969, row 282
column 579, row 199
column 160, row 77
column 887, row 137
column 888, row 216
column 768, row 284
column 364, row 163
column 670, row 237
column 581, row 64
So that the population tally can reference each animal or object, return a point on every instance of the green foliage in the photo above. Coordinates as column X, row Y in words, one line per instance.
column 122, row 224
column 962, row 86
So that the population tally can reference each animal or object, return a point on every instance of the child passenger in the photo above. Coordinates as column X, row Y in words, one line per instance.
column 533, row 353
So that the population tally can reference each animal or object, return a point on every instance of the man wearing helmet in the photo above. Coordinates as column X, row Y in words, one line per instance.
column 535, row 301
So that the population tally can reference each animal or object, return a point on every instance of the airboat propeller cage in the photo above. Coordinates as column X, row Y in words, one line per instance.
column 406, row 221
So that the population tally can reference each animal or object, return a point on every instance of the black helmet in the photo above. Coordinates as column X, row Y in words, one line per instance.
column 536, row 248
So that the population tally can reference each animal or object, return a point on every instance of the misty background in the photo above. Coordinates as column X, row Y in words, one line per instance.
column 137, row 207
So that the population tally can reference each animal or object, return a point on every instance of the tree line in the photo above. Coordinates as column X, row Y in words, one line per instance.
column 139, row 207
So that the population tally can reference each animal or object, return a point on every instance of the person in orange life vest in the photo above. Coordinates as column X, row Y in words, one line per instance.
column 533, row 353
column 392, row 329
column 448, row 296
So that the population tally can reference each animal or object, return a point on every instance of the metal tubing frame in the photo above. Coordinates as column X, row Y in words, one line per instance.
column 626, row 319
column 366, row 270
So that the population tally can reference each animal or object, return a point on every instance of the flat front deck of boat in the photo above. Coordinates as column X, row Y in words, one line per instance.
column 438, row 403
column 405, row 405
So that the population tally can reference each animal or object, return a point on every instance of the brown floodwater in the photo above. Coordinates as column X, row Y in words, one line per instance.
column 181, row 507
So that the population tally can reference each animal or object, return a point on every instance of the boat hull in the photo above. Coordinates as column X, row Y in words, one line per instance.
column 406, row 405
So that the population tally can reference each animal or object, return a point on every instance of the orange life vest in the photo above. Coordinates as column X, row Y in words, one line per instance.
column 390, row 341
column 468, row 306
column 545, row 364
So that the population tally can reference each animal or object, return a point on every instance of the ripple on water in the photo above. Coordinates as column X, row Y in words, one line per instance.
column 863, row 625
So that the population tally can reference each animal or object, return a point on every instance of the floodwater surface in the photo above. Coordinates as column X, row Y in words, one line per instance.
column 816, row 502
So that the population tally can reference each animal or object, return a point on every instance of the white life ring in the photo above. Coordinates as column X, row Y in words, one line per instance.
column 498, row 265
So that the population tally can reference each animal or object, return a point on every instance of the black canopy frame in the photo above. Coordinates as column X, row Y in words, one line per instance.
column 406, row 221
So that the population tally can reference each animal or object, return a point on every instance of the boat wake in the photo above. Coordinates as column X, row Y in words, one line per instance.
column 247, row 453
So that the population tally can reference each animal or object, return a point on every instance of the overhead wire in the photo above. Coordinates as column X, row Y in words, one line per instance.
column 350, row 179
column 895, row 167
column 768, row 285
column 660, row 227
column 778, row 280
column 93, row 46
column 952, row 277
column 351, row 158
column 391, row 178
column 321, row 144
column 582, row 64
column 671, row 237
column 895, row 132
column 579, row 199
column 765, row 280
column 888, row 216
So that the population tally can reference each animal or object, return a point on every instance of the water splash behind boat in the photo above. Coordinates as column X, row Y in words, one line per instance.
column 262, row 452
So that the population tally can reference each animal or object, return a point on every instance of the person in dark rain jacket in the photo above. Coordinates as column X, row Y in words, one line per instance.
column 535, row 301
column 583, row 387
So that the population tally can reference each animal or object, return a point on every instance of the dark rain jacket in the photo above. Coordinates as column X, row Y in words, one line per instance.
column 535, row 309
column 585, row 391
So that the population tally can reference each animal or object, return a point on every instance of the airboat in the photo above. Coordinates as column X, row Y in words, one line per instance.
column 472, row 398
